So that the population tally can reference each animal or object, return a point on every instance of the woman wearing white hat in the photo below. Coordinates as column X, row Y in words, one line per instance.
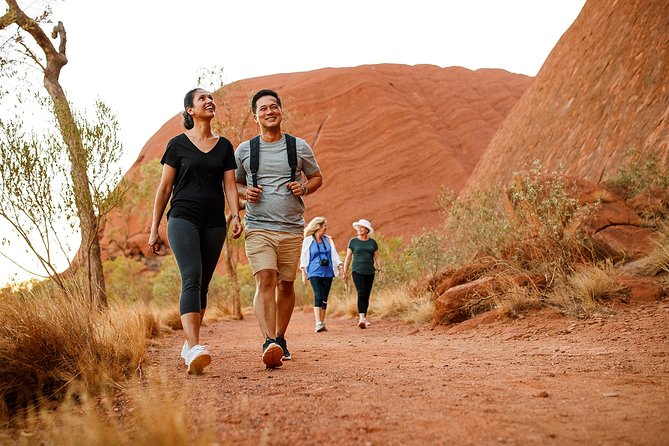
column 364, row 251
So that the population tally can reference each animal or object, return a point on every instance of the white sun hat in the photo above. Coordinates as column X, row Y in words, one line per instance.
column 365, row 224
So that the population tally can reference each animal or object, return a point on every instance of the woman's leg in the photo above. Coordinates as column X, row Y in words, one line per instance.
column 211, row 245
column 327, row 284
column 184, row 240
column 363, row 284
column 317, row 286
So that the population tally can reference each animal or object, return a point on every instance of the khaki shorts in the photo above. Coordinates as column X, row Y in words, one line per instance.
column 275, row 250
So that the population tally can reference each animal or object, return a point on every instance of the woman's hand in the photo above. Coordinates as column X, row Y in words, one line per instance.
column 236, row 227
column 155, row 241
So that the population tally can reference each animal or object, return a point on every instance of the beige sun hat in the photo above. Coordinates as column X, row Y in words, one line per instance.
column 365, row 224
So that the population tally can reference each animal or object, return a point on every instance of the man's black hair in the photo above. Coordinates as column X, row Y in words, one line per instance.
column 262, row 93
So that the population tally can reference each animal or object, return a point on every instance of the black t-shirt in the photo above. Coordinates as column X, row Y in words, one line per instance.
column 198, row 194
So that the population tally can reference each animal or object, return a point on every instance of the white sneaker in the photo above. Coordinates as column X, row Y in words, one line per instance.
column 184, row 351
column 320, row 326
column 197, row 359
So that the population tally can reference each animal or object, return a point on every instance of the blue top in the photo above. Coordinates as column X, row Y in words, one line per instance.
column 318, row 251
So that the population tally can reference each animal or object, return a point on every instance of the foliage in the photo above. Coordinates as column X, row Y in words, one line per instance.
column 54, row 343
column 426, row 256
column 641, row 172
column 36, row 190
column 127, row 280
column 475, row 225
column 167, row 284
column 582, row 292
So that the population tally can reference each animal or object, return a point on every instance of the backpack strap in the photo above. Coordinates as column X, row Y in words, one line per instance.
column 292, row 155
column 255, row 157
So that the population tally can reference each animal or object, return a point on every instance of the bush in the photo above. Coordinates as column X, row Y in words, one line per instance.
column 52, row 343
column 127, row 280
column 640, row 172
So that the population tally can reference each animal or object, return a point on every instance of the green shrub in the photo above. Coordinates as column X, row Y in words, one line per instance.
column 640, row 172
column 127, row 280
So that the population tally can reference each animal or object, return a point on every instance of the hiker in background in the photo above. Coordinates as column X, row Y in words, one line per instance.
column 364, row 252
column 319, row 263
column 198, row 175
column 272, row 184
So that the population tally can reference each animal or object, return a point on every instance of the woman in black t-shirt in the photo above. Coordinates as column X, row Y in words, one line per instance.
column 198, row 175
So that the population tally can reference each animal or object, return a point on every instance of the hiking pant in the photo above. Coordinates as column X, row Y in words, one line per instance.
column 196, row 250
column 321, row 287
column 363, row 283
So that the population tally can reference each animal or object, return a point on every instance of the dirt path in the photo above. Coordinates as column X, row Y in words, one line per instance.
column 539, row 380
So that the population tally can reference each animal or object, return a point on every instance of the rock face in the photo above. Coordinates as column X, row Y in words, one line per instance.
column 387, row 138
column 603, row 90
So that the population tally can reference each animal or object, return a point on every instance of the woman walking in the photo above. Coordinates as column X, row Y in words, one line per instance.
column 364, row 251
column 198, row 175
column 320, row 263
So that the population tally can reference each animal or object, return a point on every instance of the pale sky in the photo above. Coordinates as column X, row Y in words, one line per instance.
column 141, row 56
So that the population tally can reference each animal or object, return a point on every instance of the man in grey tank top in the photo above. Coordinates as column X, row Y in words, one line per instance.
column 274, row 221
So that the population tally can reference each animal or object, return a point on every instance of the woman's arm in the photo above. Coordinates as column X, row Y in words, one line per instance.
column 347, row 262
column 232, row 197
column 337, row 264
column 163, row 194
column 377, row 262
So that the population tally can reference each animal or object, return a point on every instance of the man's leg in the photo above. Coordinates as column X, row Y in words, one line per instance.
column 285, row 303
column 264, row 302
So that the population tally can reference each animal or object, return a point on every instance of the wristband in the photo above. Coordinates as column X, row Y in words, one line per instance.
column 304, row 189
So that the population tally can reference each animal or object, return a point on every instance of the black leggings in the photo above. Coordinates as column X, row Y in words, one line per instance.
column 196, row 250
column 321, row 286
column 363, row 283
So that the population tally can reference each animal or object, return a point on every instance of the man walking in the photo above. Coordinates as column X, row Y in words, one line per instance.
column 273, row 186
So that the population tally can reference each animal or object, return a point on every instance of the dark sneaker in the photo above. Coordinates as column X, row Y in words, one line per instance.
column 272, row 354
column 282, row 342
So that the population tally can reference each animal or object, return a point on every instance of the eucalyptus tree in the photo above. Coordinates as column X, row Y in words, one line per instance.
column 28, row 43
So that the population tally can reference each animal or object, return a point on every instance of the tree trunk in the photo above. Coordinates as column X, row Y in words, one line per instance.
column 55, row 60
column 231, row 270
column 91, row 260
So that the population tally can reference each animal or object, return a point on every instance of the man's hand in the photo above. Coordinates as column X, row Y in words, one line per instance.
column 296, row 188
column 253, row 193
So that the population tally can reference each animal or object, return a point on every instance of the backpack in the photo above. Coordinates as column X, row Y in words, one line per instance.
column 255, row 157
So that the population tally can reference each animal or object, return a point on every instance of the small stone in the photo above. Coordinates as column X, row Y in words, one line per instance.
column 542, row 394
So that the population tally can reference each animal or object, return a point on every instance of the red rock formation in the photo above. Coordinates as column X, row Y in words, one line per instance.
column 386, row 136
column 603, row 90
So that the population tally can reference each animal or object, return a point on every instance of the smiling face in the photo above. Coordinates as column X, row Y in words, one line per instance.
column 324, row 226
column 268, row 113
column 203, row 105
column 361, row 230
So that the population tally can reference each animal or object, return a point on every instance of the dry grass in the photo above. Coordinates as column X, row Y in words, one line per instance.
column 52, row 343
column 657, row 262
column 517, row 300
column 142, row 414
column 583, row 292
column 385, row 303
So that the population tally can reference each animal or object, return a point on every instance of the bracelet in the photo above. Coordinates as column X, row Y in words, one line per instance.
column 304, row 189
column 234, row 216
